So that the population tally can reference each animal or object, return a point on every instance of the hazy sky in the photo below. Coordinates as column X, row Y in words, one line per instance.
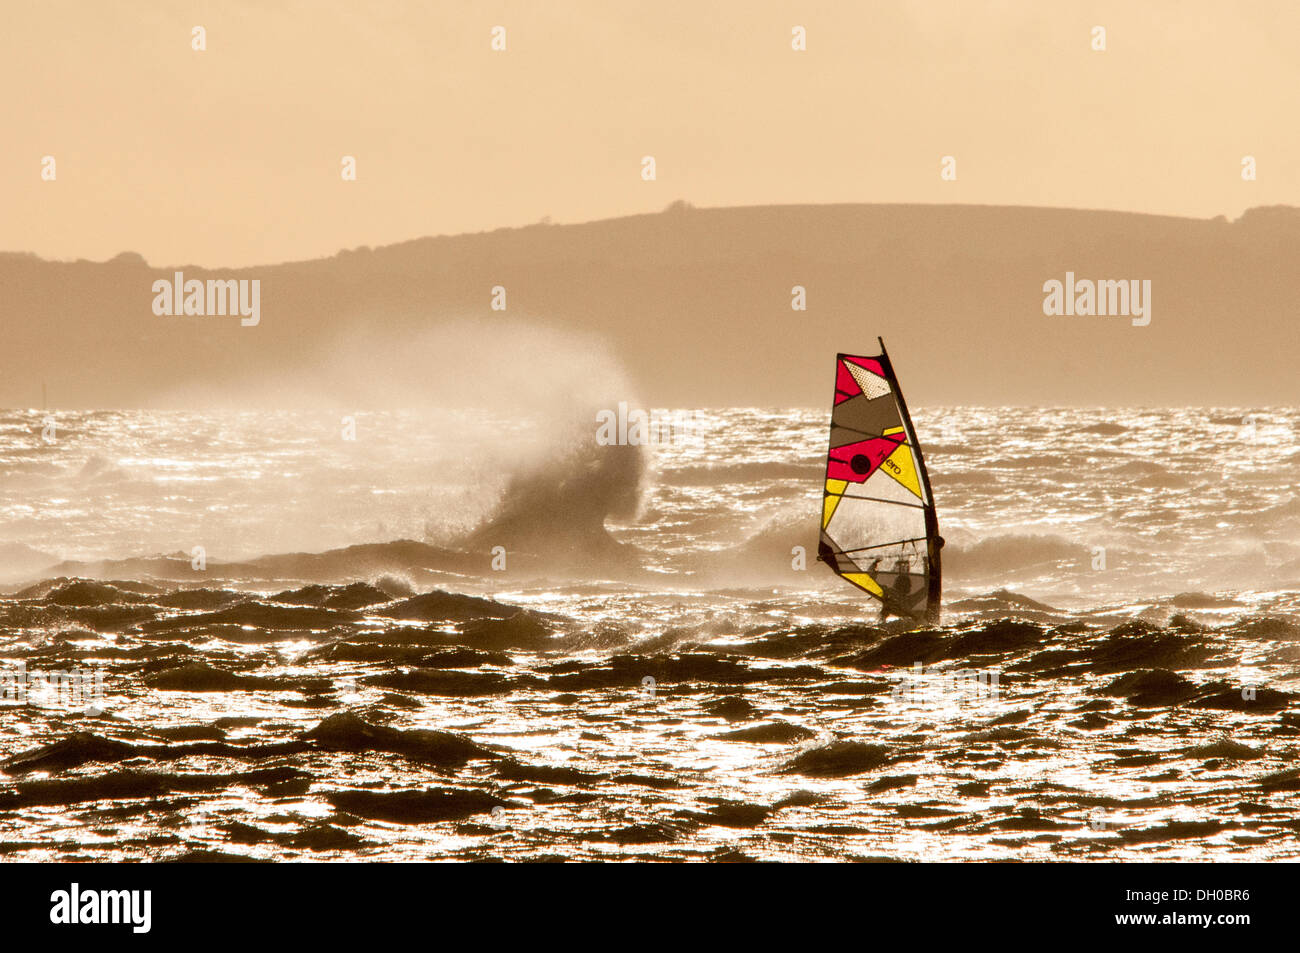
column 232, row 156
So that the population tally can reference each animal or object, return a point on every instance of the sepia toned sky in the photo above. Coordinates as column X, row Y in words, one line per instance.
column 231, row 156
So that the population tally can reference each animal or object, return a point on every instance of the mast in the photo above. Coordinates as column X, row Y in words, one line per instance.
column 933, row 546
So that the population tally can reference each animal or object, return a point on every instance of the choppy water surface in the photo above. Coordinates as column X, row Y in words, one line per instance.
column 344, row 673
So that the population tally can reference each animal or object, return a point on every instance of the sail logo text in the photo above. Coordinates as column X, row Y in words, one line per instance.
column 213, row 297
column 74, row 906
column 1085, row 297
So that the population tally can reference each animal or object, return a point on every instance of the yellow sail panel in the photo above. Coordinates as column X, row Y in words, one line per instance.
column 901, row 467
column 833, row 490
column 866, row 582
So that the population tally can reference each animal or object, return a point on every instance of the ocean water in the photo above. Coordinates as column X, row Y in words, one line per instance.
column 467, row 636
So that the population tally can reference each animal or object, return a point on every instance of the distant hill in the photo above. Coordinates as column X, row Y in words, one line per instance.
column 696, row 305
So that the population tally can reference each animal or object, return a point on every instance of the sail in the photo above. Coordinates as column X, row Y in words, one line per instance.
column 879, row 529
